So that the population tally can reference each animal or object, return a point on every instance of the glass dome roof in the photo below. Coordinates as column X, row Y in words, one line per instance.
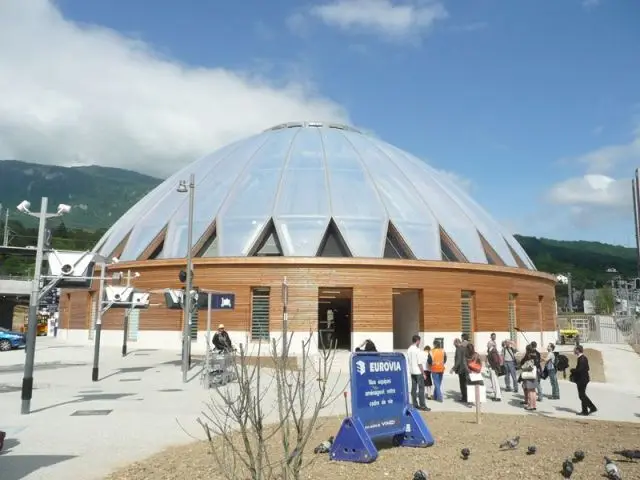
column 313, row 189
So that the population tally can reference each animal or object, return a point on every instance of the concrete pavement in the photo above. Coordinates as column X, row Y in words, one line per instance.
column 146, row 407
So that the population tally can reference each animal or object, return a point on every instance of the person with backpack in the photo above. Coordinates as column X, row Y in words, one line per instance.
column 550, row 371
column 495, row 365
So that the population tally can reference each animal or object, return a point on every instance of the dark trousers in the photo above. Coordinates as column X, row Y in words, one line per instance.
column 417, row 390
column 462, row 378
column 587, row 404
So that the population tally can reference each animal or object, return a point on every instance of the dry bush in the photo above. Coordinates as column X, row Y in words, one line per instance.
column 237, row 419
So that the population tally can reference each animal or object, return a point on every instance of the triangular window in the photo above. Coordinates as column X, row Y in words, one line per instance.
column 268, row 244
column 395, row 246
column 333, row 245
column 516, row 257
column 208, row 245
column 449, row 249
column 154, row 249
column 492, row 256
column 120, row 248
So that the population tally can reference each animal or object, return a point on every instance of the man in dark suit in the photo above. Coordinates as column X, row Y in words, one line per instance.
column 580, row 376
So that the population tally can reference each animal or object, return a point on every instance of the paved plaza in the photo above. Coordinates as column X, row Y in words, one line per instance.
column 148, row 407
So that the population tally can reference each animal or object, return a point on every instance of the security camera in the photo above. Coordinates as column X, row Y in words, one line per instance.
column 63, row 208
column 140, row 300
column 24, row 206
column 118, row 296
column 173, row 298
column 72, row 269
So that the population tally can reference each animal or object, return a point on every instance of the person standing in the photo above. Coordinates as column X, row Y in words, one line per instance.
column 538, row 358
column 460, row 368
column 416, row 370
column 494, row 364
column 428, row 381
column 529, row 378
column 438, row 361
column 580, row 376
column 550, row 366
column 509, row 351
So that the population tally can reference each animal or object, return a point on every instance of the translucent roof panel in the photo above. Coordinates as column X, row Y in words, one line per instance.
column 294, row 183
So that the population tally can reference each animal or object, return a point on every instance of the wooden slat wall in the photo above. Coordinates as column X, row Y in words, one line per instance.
column 75, row 309
column 372, row 282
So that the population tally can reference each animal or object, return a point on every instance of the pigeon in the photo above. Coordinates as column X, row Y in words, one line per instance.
column 465, row 452
column 531, row 450
column 611, row 469
column 567, row 468
column 324, row 447
column 420, row 475
column 578, row 456
column 632, row 455
column 511, row 443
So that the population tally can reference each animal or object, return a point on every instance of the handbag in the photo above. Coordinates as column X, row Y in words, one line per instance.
column 475, row 377
column 474, row 366
column 528, row 375
column 502, row 371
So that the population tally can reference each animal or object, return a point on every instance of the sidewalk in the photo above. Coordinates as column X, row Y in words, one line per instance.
column 149, row 408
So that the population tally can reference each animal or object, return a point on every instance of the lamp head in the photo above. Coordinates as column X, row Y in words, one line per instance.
column 182, row 187
column 24, row 206
column 63, row 208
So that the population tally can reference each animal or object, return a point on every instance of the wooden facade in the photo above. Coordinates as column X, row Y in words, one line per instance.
column 371, row 280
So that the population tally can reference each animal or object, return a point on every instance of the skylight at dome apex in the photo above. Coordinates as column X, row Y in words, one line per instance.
column 312, row 189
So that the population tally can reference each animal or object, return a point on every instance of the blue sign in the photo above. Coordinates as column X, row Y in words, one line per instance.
column 223, row 301
column 379, row 391
column 380, row 407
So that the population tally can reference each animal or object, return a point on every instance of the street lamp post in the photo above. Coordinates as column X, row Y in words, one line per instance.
column 34, row 299
column 186, row 333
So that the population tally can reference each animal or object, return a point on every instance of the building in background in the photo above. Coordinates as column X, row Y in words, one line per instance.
column 374, row 243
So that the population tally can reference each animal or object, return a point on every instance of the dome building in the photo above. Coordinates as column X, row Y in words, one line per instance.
column 374, row 243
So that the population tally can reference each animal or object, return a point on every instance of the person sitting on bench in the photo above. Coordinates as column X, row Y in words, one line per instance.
column 221, row 340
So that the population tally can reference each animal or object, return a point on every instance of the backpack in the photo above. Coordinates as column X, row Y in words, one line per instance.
column 562, row 362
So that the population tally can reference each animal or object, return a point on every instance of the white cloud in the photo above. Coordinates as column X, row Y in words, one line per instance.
column 389, row 18
column 592, row 190
column 82, row 94
column 465, row 184
column 589, row 4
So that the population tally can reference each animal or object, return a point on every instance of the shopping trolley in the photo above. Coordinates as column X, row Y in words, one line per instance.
column 220, row 369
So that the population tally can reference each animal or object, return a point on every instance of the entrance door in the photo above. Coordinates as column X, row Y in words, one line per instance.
column 334, row 317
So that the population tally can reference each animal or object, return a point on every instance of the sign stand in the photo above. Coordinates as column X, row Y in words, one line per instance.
column 380, row 409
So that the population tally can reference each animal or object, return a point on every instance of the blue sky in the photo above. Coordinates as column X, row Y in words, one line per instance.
column 534, row 104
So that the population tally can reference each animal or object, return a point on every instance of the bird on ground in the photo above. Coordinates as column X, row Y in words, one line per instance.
column 325, row 446
column 578, row 456
column 567, row 468
column 632, row 455
column 511, row 443
column 420, row 475
column 465, row 452
column 531, row 450
column 611, row 470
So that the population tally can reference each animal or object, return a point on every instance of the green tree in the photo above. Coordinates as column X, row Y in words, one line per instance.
column 604, row 303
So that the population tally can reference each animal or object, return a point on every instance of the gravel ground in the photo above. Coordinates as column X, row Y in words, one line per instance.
column 555, row 440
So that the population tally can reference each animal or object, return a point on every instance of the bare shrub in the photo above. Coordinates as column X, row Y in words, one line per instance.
column 259, row 426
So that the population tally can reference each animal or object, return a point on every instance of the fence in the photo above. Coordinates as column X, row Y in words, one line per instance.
column 604, row 328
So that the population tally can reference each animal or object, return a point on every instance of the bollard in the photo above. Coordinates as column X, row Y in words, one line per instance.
column 477, row 392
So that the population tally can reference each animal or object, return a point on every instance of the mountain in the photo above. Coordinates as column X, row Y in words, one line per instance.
column 100, row 195
column 97, row 195
column 588, row 262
